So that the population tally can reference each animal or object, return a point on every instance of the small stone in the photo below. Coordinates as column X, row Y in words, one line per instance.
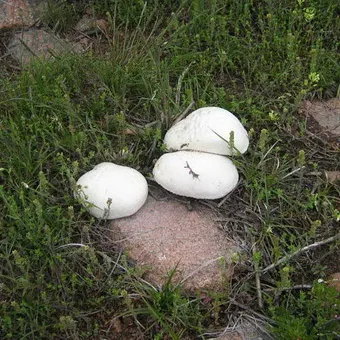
column 87, row 24
column 84, row 24
column 102, row 24
column 326, row 114
column 334, row 281
column 117, row 325
column 332, row 176
column 164, row 234
column 130, row 131
column 38, row 43
column 85, row 42
column 14, row 14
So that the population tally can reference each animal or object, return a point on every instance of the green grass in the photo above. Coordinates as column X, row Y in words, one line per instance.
column 59, row 277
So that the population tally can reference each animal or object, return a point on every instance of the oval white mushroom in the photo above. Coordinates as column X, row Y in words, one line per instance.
column 208, row 129
column 111, row 191
column 196, row 174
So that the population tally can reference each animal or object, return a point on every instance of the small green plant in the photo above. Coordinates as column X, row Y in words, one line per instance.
column 59, row 15
column 167, row 307
column 308, row 315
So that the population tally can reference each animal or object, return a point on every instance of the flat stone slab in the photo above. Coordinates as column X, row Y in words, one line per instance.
column 165, row 234
column 38, row 44
column 326, row 114
column 15, row 14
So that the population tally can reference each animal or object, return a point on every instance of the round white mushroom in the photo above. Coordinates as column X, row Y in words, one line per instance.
column 111, row 191
column 196, row 174
column 208, row 129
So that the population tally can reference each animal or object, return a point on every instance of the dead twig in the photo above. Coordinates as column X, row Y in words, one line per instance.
column 71, row 245
column 282, row 289
column 300, row 251
column 184, row 113
column 28, row 48
column 257, row 278
column 205, row 264
column 179, row 84
column 252, row 312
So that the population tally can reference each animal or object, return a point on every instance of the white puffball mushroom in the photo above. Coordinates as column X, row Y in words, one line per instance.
column 111, row 191
column 196, row 174
column 202, row 131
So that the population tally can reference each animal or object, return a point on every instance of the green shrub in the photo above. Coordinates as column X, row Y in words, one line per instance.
column 308, row 315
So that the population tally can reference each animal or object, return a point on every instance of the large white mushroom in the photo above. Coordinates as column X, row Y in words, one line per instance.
column 196, row 174
column 111, row 191
column 202, row 131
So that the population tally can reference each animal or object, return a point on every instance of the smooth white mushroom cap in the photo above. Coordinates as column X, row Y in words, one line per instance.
column 200, row 131
column 112, row 191
column 196, row 174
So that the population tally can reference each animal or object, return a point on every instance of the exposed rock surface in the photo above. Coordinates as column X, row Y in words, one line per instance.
column 332, row 176
column 334, row 281
column 326, row 114
column 14, row 14
column 165, row 234
column 38, row 43
column 246, row 331
column 90, row 24
column 30, row 42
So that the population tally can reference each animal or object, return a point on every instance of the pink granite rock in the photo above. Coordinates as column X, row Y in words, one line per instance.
column 34, row 43
column 165, row 234
column 326, row 114
column 14, row 14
